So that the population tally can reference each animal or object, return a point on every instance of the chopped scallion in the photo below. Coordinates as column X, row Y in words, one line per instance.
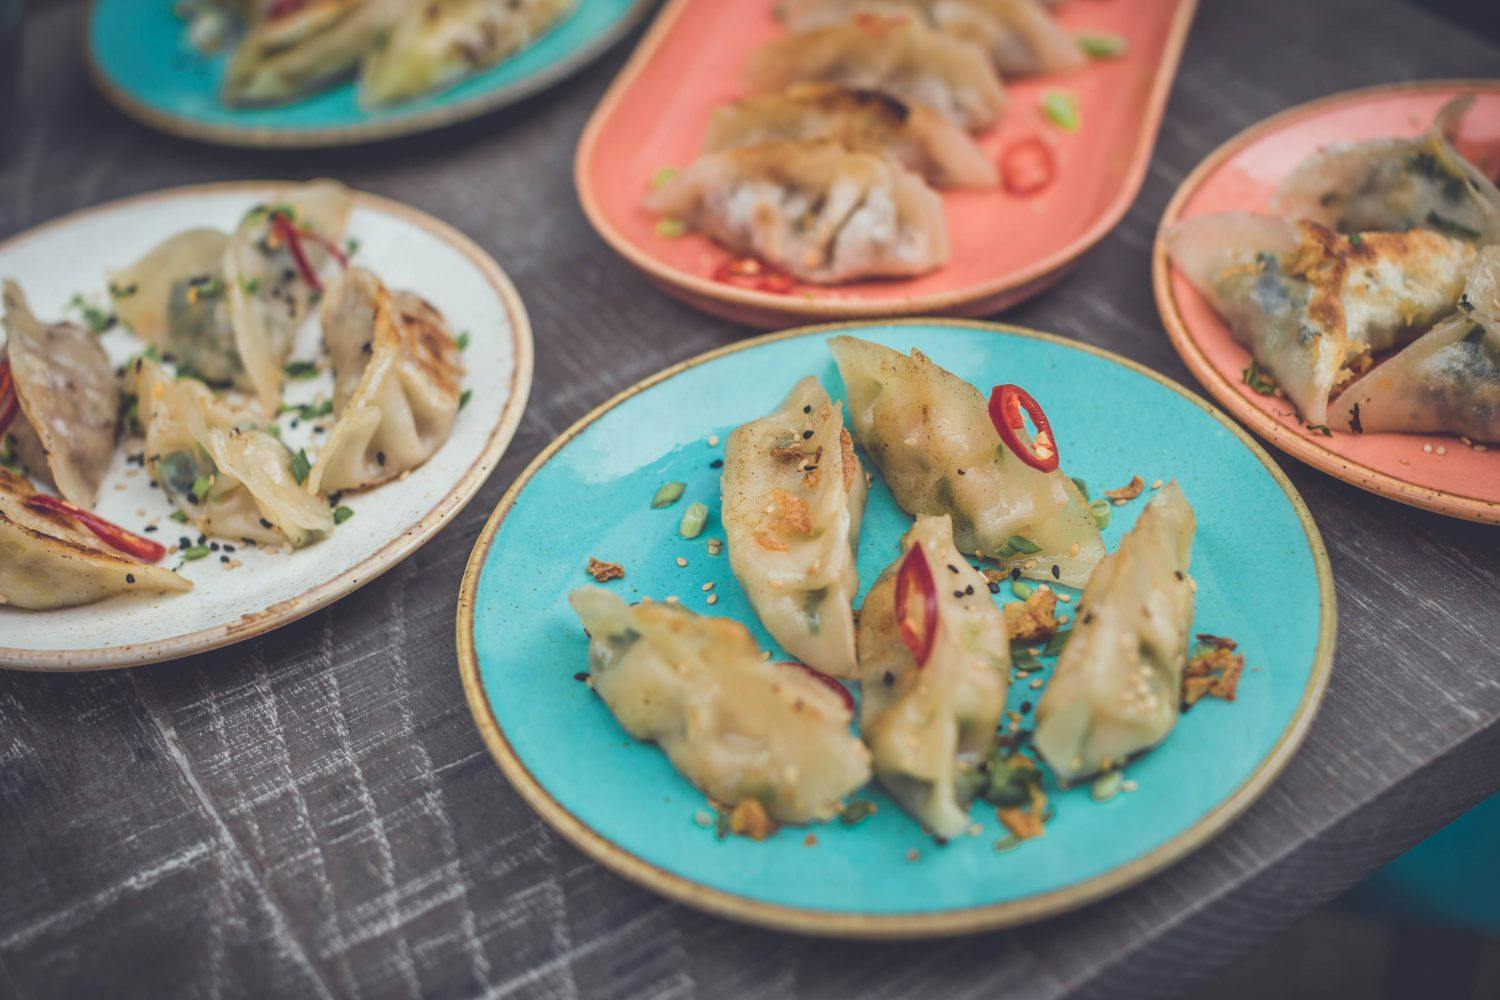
column 669, row 494
column 1061, row 109
column 693, row 520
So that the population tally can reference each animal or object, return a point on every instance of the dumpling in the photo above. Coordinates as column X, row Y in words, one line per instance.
column 812, row 209
column 1312, row 306
column 897, row 55
column 436, row 43
column 65, row 415
column 294, row 49
column 272, row 266
column 865, row 121
column 230, row 478
column 734, row 724
column 931, row 723
column 1118, row 682
column 176, row 299
column 47, row 561
column 793, row 497
column 396, row 383
column 1019, row 35
column 931, row 435
column 1396, row 184
column 1447, row 382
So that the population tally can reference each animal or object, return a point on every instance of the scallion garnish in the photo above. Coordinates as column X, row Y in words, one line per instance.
column 300, row 466
column 341, row 514
column 1061, row 109
column 1057, row 642
column 669, row 494
column 670, row 228
column 301, row 370
column 1102, row 46
column 1021, row 590
column 693, row 520
column 1022, row 545
column 196, row 552
column 1100, row 509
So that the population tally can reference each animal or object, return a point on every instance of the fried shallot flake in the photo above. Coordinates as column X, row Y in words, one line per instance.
column 1033, row 620
column 602, row 571
column 790, row 513
column 1129, row 491
column 1214, row 670
column 750, row 819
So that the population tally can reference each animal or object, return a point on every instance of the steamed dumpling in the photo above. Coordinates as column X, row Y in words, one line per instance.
column 1396, row 184
column 436, row 43
column 1118, row 682
column 793, row 497
column 230, row 478
column 69, row 400
column 294, row 49
column 734, row 724
column 930, row 726
column 930, row 434
column 396, row 383
column 900, row 56
column 47, row 561
column 1019, row 35
column 812, row 209
column 272, row 266
column 866, row 121
column 1447, row 382
column 1312, row 306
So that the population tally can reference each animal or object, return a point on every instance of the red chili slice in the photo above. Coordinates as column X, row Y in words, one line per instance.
column 10, row 403
column 1006, row 403
column 747, row 272
column 915, row 572
column 328, row 245
column 109, row 533
column 1027, row 166
column 292, row 237
column 825, row 680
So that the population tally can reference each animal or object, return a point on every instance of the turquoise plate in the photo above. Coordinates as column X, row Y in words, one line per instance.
column 1261, row 568
column 137, row 52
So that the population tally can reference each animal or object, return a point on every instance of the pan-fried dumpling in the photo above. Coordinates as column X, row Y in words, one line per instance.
column 1019, row 35
column 793, row 497
column 930, row 726
column 175, row 298
column 897, row 55
column 436, row 43
column 812, row 209
column 1447, row 382
column 1118, row 682
column 734, row 724
column 1396, row 184
column 69, row 400
column 272, row 266
column 930, row 434
column 230, row 478
column 294, row 49
column 47, row 561
column 1312, row 306
column 866, row 121
column 396, row 383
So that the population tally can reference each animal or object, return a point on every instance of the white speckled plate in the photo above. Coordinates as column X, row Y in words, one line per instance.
column 408, row 249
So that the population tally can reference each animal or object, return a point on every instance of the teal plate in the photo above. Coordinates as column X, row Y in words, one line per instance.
column 1262, row 573
column 137, row 52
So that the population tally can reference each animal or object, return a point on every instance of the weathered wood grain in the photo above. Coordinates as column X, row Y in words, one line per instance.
column 312, row 813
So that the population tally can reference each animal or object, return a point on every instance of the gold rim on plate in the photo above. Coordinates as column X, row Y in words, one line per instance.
column 404, row 544
column 278, row 137
column 887, row 926
column 1300, row 446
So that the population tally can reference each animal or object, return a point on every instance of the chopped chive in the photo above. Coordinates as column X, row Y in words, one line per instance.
column 300, row 466
column 201, row 486
column 122, row 291
column 1100, row 509
column 463, row 341
column 1258, row 379
column 1021, row 590
column 351, row 247
column 250, row 285
column 463, row 398
column 196, row 552
column 1057, row 642
column 670, row 228
column 1106, row 786
column 663, row 176
column 341, row 514
column 1083, row 487
column 1061, row 108
column 857, row 811
column 1023, row 545
column 301, row 370
column 179, row 517
column 1024, row 659
column 693, row 520
column 1102, row 46
column 669, row 494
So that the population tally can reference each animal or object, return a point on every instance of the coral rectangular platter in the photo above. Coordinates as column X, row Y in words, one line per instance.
column 243, row 593
column 1262, row 575
column 1432, row 471
column 1005, row 248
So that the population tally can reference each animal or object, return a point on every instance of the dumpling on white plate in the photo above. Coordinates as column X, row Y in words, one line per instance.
column 812, row 209
column 1118, row 683
column 793, row 496
column 1447, row 381
column 931, row 435
column 232, row 479
column 865, row 121
column 60, row 413
column 733, row 723
column 1313, row 306
column 47, row 560
column 1396, row 184
column 900, row 56
column 1019, row 35
column 396, row 383
column 436, row 43
column 931, row 720
column 292, row 50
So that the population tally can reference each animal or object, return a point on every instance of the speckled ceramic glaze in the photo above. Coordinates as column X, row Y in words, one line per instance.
column 1262, row 573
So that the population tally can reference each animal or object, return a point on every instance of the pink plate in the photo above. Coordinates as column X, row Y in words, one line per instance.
column 1005, row 248
column 1434, row 472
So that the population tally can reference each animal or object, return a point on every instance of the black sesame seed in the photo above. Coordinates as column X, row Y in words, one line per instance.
column 149, row 529
column 961, row 472
column 1056, row 572
column 213, row 547
column 1088, row 617
column 228, row 547
column 1025, row 707
column 889, row 678
column 380, row 457
column 717, row 463
column 223, row 559
column 952, row 568
column 581, row 676
column 183, row 542
column 806, row 435
column 994, row 588
column 958, row 593
column 266, row 524
column 1178, row 573
column 1015, row 572
column 130, row 578
column 969, row 589
column 807, row 408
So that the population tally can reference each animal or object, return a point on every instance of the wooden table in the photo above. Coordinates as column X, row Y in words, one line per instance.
column 312, row 812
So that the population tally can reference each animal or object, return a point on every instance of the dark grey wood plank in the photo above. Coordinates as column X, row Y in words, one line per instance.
column 312, row 812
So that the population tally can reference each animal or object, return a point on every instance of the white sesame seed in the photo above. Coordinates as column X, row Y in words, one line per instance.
column 708, row 586
column 1156, row 485
column 1129, row 785
column 1065, row 598
column 975, row 829
column 713, row 440
column 1427, row 448
column 713, row 598
column 681, row 561
column 1118, row 503
column 703, row 818
column 1442, row 450
column 1062, row 619
column 1036, row 684
column 672, row 599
